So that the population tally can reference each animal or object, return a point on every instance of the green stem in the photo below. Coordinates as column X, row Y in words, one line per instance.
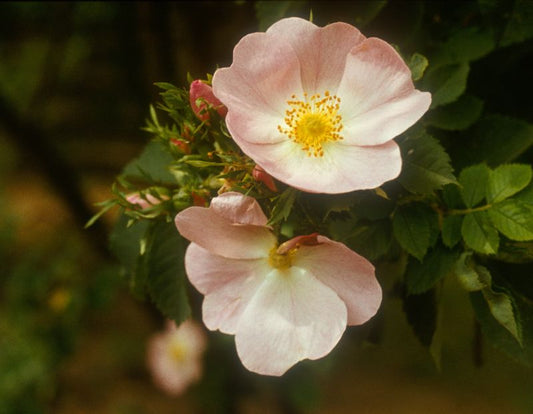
column 454, row 212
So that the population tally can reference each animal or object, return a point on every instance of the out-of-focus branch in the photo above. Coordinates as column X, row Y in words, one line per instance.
column 33, row 142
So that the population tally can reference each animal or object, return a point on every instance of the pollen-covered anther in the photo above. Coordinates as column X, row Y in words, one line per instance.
column 313, row 121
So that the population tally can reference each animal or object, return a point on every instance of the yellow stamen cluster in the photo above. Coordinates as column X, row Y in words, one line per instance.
column 177, row 351
column 313, row 121
column 280, row 261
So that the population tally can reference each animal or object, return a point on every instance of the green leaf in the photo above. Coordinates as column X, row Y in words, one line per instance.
column 417, row 64
column 513, row 219
column 507, row 180
column 152, row 164
column 166, row 275
column 496, row 139
column 283, row 206
column 479, row 234
column 501, row 307
column 422, row 276
column 426, row 165
column 457, row 115
column 474, row 182
column 501, row 337
column 451, row 194
column 446, row 83
column 469, row 278
column 369, row 205
column 451, row 230
column 412, row 226
column 515, row 252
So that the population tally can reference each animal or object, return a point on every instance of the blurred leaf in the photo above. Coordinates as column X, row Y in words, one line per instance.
column 458, row 115
column 166, row 272
column 417, row 65
column 515, row 252
column 422, row 276
column 269, row 12
column 520, row 25
column 486, row 139
column 507, row 180
column 451, row 230
column 421, row 312
column 369, row 205
column 479, row 234
column 474, row 182
column 152, row 164
column 366, row 11
column 446, row 83
column 465, row 45
column 371, row 240
column 125, row 243
column 412, row 226
column 426, row 165
column 513, row 219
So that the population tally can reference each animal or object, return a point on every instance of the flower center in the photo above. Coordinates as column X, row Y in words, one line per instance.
column 177, row 351
column 280, row 261
column 313, row 122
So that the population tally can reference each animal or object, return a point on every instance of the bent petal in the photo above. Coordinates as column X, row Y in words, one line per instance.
column 238, row 208
column 215, row 233
column 343, row 168
column 321, row 51
column 228, row 285
column 350, row 275
column 291, row 317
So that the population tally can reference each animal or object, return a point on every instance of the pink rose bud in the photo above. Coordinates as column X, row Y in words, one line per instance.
column 262, row 176
column 182, row 145
column 203, row 92
column 144, row 203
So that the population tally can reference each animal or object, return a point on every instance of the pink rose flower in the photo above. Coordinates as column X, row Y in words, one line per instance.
column 318, row 108
column 203, row 92
column 283, row 304
column 174, row 356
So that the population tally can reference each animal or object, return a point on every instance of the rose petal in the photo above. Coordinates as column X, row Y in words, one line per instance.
column 291, row 317
column 228, row 285
column 350, row 275
column 213, row 232
column 238, row 208
column 386, row 121
column 375, row 75
column 321, row 51
column 343, row 168
column 262, row 77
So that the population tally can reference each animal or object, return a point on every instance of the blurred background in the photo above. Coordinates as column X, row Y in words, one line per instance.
column 76, row 81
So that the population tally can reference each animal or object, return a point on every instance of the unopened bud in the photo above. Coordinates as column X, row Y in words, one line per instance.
column 262, row 176
column 201, row 98
column 144, row 202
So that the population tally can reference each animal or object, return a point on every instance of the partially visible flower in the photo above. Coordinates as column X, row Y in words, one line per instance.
column 144, row 202
column 201, row 97
column 318, row 107
column 283, row 303
column 174, row 356
column 262, row 176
